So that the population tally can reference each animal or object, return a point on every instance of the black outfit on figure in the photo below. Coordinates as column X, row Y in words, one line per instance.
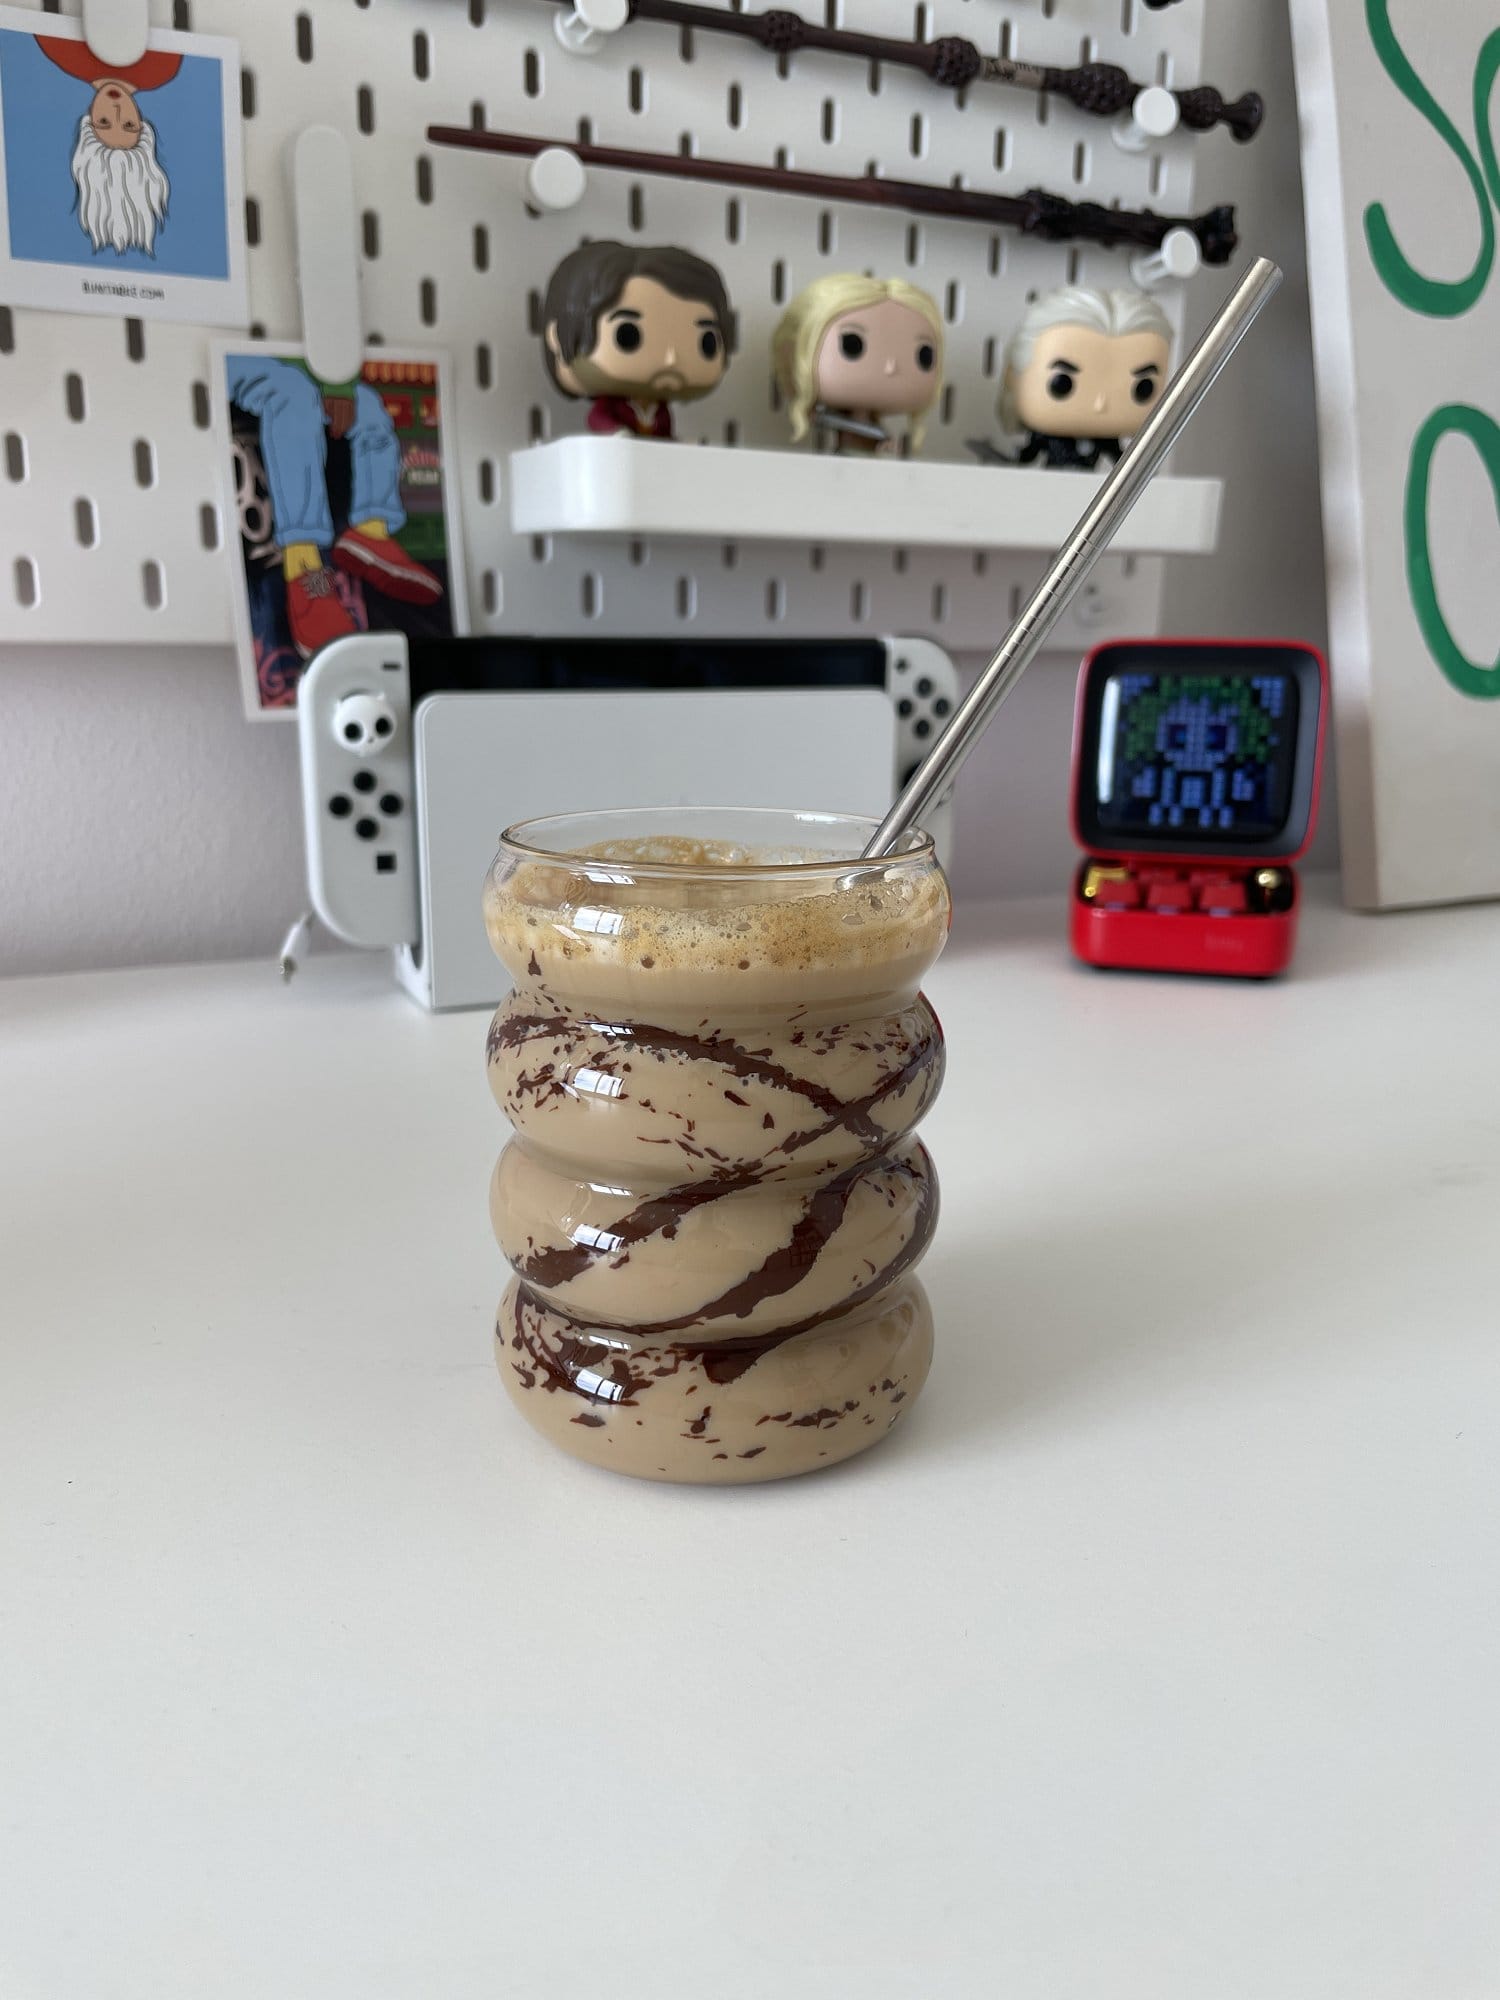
column 1081, row 453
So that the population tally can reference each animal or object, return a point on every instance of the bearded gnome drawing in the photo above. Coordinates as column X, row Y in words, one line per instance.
column 122, row 186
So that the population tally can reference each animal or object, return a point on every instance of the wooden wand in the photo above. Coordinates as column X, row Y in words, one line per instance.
column 1035, row 213
column 1103, row 89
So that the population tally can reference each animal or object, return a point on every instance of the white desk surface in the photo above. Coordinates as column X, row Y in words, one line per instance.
column 1156, row 1655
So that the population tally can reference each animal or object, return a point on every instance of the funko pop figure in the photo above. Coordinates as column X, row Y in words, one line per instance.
column 851, row 351
column 636, row 330
column 1083, row 371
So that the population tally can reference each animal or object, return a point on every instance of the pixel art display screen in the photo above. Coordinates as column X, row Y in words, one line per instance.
column 1209, row 754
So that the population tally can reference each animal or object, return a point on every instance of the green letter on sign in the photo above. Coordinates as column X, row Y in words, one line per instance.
column 1484, row 434
column 1425, row 295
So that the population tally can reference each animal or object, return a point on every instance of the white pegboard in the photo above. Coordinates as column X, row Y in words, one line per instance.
column 109, row 517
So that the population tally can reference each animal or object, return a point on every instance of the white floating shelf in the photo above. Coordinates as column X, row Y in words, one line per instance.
column 637, row 487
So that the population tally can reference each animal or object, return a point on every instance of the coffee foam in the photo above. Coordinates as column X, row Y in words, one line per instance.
column 841, row 918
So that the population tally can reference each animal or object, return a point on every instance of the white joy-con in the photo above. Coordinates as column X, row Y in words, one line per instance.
column 923, row 683
column 354, row 727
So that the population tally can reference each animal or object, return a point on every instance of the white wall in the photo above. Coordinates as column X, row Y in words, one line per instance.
column 143, row 819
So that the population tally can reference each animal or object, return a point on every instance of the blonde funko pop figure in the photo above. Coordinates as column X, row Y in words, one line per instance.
column 851, row 351
column 1083, row 371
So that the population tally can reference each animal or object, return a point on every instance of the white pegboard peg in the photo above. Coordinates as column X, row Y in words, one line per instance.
column 116, row 31
column 1180, row 256
column 1153, row 116
column 588, row 24
column 555, row 179
column 327, row 269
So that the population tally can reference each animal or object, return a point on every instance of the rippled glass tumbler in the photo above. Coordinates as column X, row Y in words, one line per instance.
column 714, row 1057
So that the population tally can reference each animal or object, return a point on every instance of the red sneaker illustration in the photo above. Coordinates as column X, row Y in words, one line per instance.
column 385, row 566
column 313, row 612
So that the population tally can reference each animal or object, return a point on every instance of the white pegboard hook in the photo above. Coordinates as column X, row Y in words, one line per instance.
column 556, row 179
column 116, row 31
column 588, row 24
column 1180, row 256
column 327, row 269
column 1155, row 115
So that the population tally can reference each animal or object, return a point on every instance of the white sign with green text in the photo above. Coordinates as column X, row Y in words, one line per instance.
column 1402, row 180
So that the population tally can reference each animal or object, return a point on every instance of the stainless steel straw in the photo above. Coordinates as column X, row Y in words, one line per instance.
column 1078, row 555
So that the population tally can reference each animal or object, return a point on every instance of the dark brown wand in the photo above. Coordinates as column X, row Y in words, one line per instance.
column 1103, row 89
column 1035, row 213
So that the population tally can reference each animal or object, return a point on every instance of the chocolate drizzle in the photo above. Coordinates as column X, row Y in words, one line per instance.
column 750, row 1065
column 618, row 1375
column 746, row 1065
column 856, row 1114
column 840, row 1177
column 785, row 1267
column 777, row 1274
column 790, row 1262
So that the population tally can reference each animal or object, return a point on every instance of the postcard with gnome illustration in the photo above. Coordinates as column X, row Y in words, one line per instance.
column 121, row 188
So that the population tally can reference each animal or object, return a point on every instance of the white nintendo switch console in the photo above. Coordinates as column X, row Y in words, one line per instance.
column 416, row 754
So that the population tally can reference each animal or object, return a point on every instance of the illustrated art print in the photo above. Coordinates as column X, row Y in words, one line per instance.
column 121, row 188
column 342, row 504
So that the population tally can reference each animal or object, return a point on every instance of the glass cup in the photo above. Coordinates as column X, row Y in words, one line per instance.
column 714, row 1057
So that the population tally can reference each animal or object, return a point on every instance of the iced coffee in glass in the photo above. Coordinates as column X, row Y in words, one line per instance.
column 714, row 1057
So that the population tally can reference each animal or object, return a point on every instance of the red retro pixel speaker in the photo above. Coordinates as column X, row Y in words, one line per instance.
column 1196, row 766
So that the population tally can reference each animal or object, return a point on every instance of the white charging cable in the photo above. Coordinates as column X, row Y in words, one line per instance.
column 294, row 947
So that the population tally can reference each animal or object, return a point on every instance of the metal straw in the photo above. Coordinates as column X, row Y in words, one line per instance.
column 1078, row 555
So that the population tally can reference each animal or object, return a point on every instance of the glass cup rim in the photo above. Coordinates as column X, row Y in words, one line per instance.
column 916, row 848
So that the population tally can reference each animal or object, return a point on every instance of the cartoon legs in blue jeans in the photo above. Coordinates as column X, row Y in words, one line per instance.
column 296, row 417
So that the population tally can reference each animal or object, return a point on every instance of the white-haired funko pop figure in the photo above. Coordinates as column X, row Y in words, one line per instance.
column 1083, row 371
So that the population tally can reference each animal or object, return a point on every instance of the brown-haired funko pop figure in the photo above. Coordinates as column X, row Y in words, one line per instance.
column 637, row 330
